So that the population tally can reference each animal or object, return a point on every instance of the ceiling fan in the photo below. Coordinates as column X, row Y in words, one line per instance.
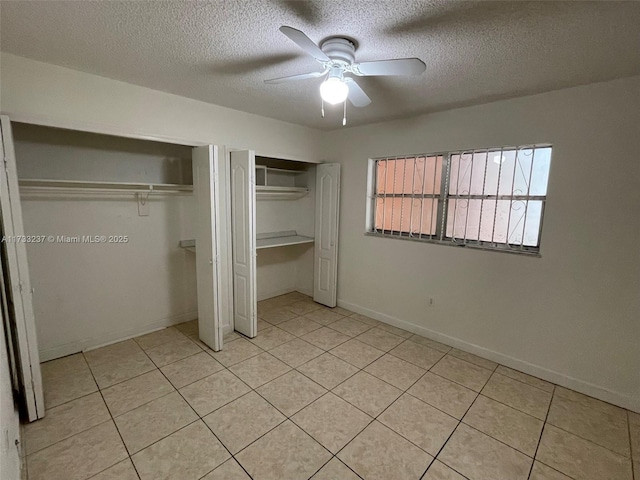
column 337, row 57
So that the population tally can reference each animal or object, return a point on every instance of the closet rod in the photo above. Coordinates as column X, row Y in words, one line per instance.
column 79, row 186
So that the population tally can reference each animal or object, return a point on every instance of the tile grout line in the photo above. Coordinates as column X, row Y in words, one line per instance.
column 440, row 451
column 544, row 424
column 112, row 419
column 451, row 435
column 499, row 441
column 528, row 384
column 384, row 352
column 406, row 391
column 130, row 455
column 525, row 383
column 328, row 390
column 199, row 419
column 289, row 417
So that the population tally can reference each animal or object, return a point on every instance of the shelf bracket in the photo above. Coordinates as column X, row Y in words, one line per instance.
column 143, row 204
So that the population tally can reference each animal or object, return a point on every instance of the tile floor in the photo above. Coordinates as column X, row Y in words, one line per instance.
column 319, row 393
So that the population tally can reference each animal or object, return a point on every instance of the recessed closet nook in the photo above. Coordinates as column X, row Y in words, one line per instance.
column 124, row 236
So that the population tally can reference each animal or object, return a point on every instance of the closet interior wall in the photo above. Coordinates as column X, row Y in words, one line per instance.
column 90, row 294
column 289, row 268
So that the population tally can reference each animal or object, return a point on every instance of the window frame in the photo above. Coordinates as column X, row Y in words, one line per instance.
column 443, row 198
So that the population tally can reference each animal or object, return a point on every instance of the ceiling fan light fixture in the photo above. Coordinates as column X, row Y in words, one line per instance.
column 333, row 90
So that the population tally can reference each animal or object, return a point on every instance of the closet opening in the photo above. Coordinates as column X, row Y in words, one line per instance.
column 284, row 231
column 103, row 217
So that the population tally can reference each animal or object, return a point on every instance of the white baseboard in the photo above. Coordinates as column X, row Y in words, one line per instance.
column 113, row 337
column 582, row 386
column 275, row 293
column 304, row 291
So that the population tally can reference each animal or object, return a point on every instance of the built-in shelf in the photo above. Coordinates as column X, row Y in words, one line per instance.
column 80, row 186
column 188, row 245
column 280, row 193
column 281, row 239
column 264, row 240
column 280, row 183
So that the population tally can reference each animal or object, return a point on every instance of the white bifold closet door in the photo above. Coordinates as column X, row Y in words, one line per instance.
column 206, row 190
column 243, row 233
column 325, row 270
column 17, row 294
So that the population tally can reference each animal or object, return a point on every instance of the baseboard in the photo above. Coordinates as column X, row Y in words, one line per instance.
column 304, row 291
column 113, row 337
column 275, row 293
column 615, row 398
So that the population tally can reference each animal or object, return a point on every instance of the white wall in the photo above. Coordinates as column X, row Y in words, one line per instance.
column 571, row 316
column 36, row 92
column 9, row 420
column 87, row 295
column 286, row 269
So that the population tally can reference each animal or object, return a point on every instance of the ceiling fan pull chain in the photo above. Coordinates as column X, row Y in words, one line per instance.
column 322, row 107
column 344, row 115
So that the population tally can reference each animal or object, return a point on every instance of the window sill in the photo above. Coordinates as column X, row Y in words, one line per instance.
column 448, row 243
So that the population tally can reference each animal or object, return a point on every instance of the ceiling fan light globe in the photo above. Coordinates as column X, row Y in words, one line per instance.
column 334, row 90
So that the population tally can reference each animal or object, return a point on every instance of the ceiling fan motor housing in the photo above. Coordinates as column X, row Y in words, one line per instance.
column 339, row 50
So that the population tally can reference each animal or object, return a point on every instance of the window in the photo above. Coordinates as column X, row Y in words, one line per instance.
column 489, row 198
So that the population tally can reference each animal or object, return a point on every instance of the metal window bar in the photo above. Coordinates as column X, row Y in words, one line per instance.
column 404, row 172
column 443, row 164
column 441, row 225
column 424, row 177
column 384, row 206
column 393, row 189
column 455, row 202
column 526, row 207
column 495, row 210
column 513, row 186
column 413, row 182
column 466, row 220
column 437, row 160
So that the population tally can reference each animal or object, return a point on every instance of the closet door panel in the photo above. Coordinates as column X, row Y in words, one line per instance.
column 243, row 232
column 205, row 181
column 326, row 244
column 18, row 294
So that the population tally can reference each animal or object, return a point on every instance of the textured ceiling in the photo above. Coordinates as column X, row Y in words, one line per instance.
column 221, row 51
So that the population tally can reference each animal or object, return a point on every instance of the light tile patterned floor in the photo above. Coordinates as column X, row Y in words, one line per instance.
column 323, row 394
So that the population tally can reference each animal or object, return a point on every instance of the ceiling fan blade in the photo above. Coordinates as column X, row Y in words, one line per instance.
column 250, row 64
column 399, row 66
column 301, row 76
column 305, row 43
column 356, row 95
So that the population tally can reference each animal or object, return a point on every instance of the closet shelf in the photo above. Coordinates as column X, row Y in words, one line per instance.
column 188, row 245
column 263, row 240
column 280, row 193
column 79, row 186
column 280, row 239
